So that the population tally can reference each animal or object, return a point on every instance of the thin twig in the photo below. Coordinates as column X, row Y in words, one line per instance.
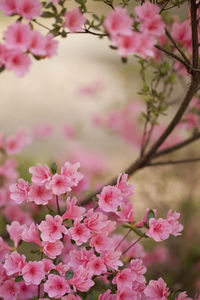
column 123, row 239
column 174, row 162
column 133, row 244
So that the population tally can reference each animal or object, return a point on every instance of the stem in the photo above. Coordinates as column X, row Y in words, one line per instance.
column 122, row 240
column 57, row 203
column 133, row 244
column 174, row 162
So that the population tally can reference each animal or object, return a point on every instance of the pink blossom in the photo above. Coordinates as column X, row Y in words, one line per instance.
column 127, row 44
column 14, row 263
column 126, row 294
column 18, row 62
column 80, row 257
column 182, row 296
column 51, row 46
column 124, row 278
column 14, row 144
column 111, row 259
column 71, row 297
column 59, row 184
column 37, row 43
column 8, row 170
column 126, row 213
column 69, row 131
column 157, row 290
column 29, row 9
column 39, row 194
column 56, row 286
column 43, row 130
column 27, row 291
column 100, row 242
column 81, row 280
column 181, row 32
column 31, row 235
column 52, row 249
column 107, row 296
column 137, row 268
column 95, row 221
column 17, row 36
column 40, row 174
column 71, row 172
column 96, row 266
column 14, row 212
column 15, row 231
column 8, row 6
column 147, row 11
column 79, row 233
column 110, row 198
column 33, row 272
column 154, row 26
column 9, row 290
column 73, row 211
column 123, row 185
column 118, row 22
column 172, row 219
column 19, row 191
column 159, row 229
column 146, row 44
column 48, row 265
column 74, row 20
column 144, row 220
column 52, row 228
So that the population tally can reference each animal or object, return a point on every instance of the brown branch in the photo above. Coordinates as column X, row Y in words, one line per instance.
column 174, row 162
column 177, row 146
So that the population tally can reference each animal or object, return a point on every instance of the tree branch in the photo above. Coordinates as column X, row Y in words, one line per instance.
column 174, row 162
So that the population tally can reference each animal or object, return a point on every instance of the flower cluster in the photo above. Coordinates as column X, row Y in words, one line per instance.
column 77, row 247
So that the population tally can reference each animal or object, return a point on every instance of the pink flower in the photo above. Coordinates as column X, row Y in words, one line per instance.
column 126, row 294
column 157, row 290
column 137, row 268
column 74, row 20
column 71, row 297
column 56, row 286
column 95, row 221
column 146, row 43
column 14, row 263
column 126, row 213
column 27, row 291
column 124, row 278
column 79, row 233
column 70, row 171
column 29, row 9
column 8, row 6
column 19, row 191
column 154, row 26
column 123, row 185
column 100, row 242
column 147, row 11
column 48, row 265
column 107, row 296
column 37, row 43
column 14, row 144
column 40, row 174
column 182, row 296
column 33, row 272
column 17, row 36
column 31, row 235
column 159, row 229
column 59, row 184
column 110, row 198
column 96, row 266
column 73, row 211
column 127, row 44
column 81, row 280
column 112, row 260
column 118, row 22
column 18, row 62
column 181, row 32
column 39, row 194
column 52, row 228
column 80, row 257
column 52, row 250
column 9, row 290
column 172, row 219
column 144, row 220
column 51, row 46
column 15, row 231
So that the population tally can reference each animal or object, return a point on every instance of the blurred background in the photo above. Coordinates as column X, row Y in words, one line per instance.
column 61, row 103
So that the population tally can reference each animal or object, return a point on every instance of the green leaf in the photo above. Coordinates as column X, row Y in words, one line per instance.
column 47, row 14
column 19, row 278
column 55, row 272
column 69, row 274
column 54, row 168
column 138, row 232
column 150, row 215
